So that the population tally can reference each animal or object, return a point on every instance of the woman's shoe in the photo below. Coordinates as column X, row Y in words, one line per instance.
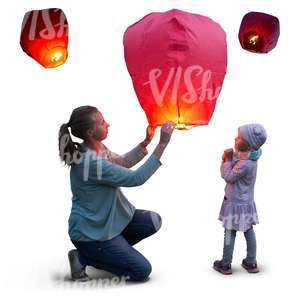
column 250, row 268
column 222, row 268
column 77, row 269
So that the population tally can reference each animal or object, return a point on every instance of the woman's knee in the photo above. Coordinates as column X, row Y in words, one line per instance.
column 141, row 273
column 156, row 220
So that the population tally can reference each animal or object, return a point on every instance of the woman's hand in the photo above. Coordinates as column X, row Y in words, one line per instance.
column 165, row 136
column 150, row 131
column 166, row 132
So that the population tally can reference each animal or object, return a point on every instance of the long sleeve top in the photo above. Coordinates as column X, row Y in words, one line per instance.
column 100, row 211
column 238, row 210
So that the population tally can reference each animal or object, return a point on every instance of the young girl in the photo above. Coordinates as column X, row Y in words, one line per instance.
column 103, row 224
column 238, row 211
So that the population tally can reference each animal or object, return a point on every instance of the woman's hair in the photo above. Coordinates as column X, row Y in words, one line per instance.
column 243, row 145
column 80, row 121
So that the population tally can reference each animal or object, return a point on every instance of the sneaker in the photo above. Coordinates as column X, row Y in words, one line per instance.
column 77, row 269
column 250, row 268
column 222, row 268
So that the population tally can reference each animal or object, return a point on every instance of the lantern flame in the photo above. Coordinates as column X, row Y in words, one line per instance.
column 55, row 57
column 253, row 42
column 184, row 127
column 254, row 39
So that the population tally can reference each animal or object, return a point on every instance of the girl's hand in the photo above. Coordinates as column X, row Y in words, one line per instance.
column 228, row 154
column 166, row 132
column 150, row 131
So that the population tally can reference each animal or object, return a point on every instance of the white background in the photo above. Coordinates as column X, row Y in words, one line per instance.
column 187, row 190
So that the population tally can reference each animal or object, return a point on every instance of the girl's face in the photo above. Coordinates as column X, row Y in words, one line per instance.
column 237, row 141
column 99, row 130
column 240, row 144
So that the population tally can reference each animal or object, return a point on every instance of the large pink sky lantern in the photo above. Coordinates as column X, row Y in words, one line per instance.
column 177, row 61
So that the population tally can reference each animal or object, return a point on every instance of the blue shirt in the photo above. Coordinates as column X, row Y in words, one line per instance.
column 100, row 211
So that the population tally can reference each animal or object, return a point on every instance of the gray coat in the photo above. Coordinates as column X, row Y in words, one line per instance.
column 238, row 209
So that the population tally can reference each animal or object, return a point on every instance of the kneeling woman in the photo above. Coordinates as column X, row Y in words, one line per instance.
column 103, row 225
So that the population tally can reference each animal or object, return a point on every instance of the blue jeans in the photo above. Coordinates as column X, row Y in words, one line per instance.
column 229, row 241
column 117, row 254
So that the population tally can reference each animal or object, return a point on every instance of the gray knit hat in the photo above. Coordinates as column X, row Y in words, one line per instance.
column 254, row 134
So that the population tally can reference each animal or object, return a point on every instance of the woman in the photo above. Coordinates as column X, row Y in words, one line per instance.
column 103, row 225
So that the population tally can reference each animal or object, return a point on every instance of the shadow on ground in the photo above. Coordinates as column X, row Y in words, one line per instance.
column 99, row 278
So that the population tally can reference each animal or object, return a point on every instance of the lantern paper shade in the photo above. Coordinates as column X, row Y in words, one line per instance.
column 259, row 32
column 44, row 36
column 177, row 61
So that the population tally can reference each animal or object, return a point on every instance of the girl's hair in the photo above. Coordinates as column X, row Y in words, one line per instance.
column 80, row 121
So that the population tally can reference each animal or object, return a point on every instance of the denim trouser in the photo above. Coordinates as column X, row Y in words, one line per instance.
column 117, row 254
column 229, row 241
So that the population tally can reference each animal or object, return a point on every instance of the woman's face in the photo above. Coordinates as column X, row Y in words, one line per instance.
column 99, row 130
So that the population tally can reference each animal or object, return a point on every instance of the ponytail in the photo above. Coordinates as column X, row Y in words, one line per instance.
column 67, row 148
column 80, row 122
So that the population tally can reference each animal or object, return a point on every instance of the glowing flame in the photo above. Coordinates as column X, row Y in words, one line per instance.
column 55, row 57
column 254, row 39
column 253, row 42
column 184, row 127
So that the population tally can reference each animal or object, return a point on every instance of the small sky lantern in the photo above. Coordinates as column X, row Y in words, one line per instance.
column 44, row 36
column 259, row 32
column 177, row 61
